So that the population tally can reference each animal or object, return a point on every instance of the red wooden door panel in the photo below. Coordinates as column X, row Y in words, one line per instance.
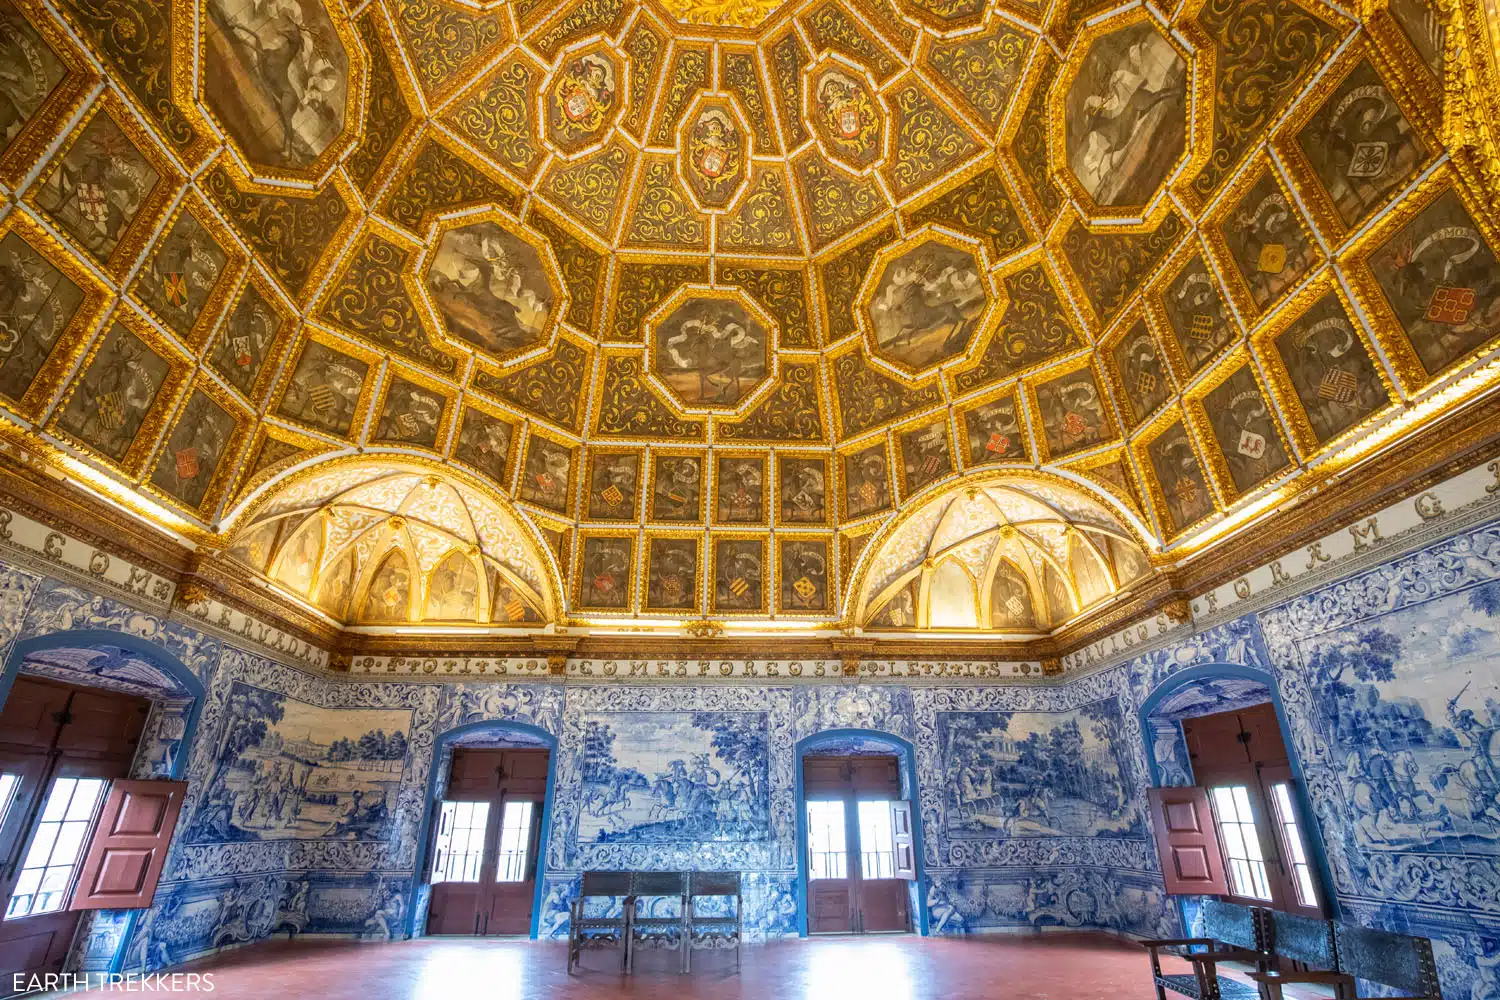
column 828, row 910
column 103, row 724
column 905, row 843
column 1187, row 841
column 129, row 848
column 32, row 714
column 882, row 905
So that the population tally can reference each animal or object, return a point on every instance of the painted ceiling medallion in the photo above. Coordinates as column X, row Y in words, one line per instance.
column 714, row 153
column 278, row 79
column 495, row 286
column 1125, row 113
column 723, row 13
column 585, row 96
column 710, row 347
column 840, row 105
column 927, row 300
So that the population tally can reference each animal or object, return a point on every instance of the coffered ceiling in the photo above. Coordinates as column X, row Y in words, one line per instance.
column 671, row 284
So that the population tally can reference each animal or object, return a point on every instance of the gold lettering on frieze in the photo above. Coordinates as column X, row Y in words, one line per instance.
column 5, row 517
column 1365, row 535
column 99, row 563
column 1213, row 601
column 1428, row 506
column 1279, row 575
column 1494, row 470
column 1315, row 555
column 1242, row 588
column 138, row 580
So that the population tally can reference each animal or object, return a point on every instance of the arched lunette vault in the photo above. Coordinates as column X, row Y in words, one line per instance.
column 382, row 542
column 379, row 542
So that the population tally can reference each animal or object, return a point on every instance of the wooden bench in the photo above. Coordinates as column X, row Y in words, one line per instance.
column 648, row 919
column 1232, row 933
column 1388, row 959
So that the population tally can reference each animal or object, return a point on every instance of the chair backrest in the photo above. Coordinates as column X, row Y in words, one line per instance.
column 1396, row 960
column 1241, row 926
column 658, row 884
column 714, row 884
column 1302, row 939
column 605, row 884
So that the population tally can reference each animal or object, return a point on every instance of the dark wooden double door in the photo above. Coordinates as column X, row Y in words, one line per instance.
column 861, row 859
column 486, row 839
column 1240, row 831
column 53, row 736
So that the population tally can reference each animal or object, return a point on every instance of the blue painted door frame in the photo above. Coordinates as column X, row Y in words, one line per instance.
column 192, row 689
column 907, row 756
column 1209, row 671
column 442, row 748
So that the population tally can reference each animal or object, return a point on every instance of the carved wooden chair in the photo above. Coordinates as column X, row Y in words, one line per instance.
column 1395, row 960
column 1232, row 933
column 713, row 930
column 650, row 894
column 607, row 930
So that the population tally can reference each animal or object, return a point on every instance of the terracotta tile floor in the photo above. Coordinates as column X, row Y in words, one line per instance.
column 1051, row 967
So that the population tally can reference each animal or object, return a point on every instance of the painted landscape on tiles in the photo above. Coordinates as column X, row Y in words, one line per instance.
column 1025, row 774
column 664, row 777
column 1410, row 709
column 282, row 772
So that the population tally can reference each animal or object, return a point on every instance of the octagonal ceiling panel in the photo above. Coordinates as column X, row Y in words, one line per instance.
column 1122, row 109
column 902, row 242
column 711, row 348
column 583, row 98
column 496, row 286
column 928, row 301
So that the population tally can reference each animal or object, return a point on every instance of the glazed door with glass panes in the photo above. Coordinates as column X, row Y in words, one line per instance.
column 1240, row 758
column 484, row 862
column 859, row 845
column 60, row 747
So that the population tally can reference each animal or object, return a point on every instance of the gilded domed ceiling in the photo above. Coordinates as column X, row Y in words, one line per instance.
column 706, row 283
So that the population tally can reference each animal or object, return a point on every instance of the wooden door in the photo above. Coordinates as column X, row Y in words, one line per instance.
column 485, row 843
column 67, row 744
column 1241, row 758
column 1192, row 862
column 868, row 890
column 129, row 845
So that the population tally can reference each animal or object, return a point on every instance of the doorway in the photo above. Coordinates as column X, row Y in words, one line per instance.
column 1240, row 758
column 861, row 857
column 60, row 747
column 486, row 839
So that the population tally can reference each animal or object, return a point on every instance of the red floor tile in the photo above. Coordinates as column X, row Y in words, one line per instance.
column 1051, row 967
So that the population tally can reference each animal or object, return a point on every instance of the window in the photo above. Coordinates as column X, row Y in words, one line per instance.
column 877, row 842
column 62, row 830
column 1291, row 835
column 460, row 842
column 515, row 837
column 8, row 784
column 1247, row 866
column 827, row 846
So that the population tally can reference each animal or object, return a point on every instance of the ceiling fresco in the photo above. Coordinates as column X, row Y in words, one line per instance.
column 710, row 297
